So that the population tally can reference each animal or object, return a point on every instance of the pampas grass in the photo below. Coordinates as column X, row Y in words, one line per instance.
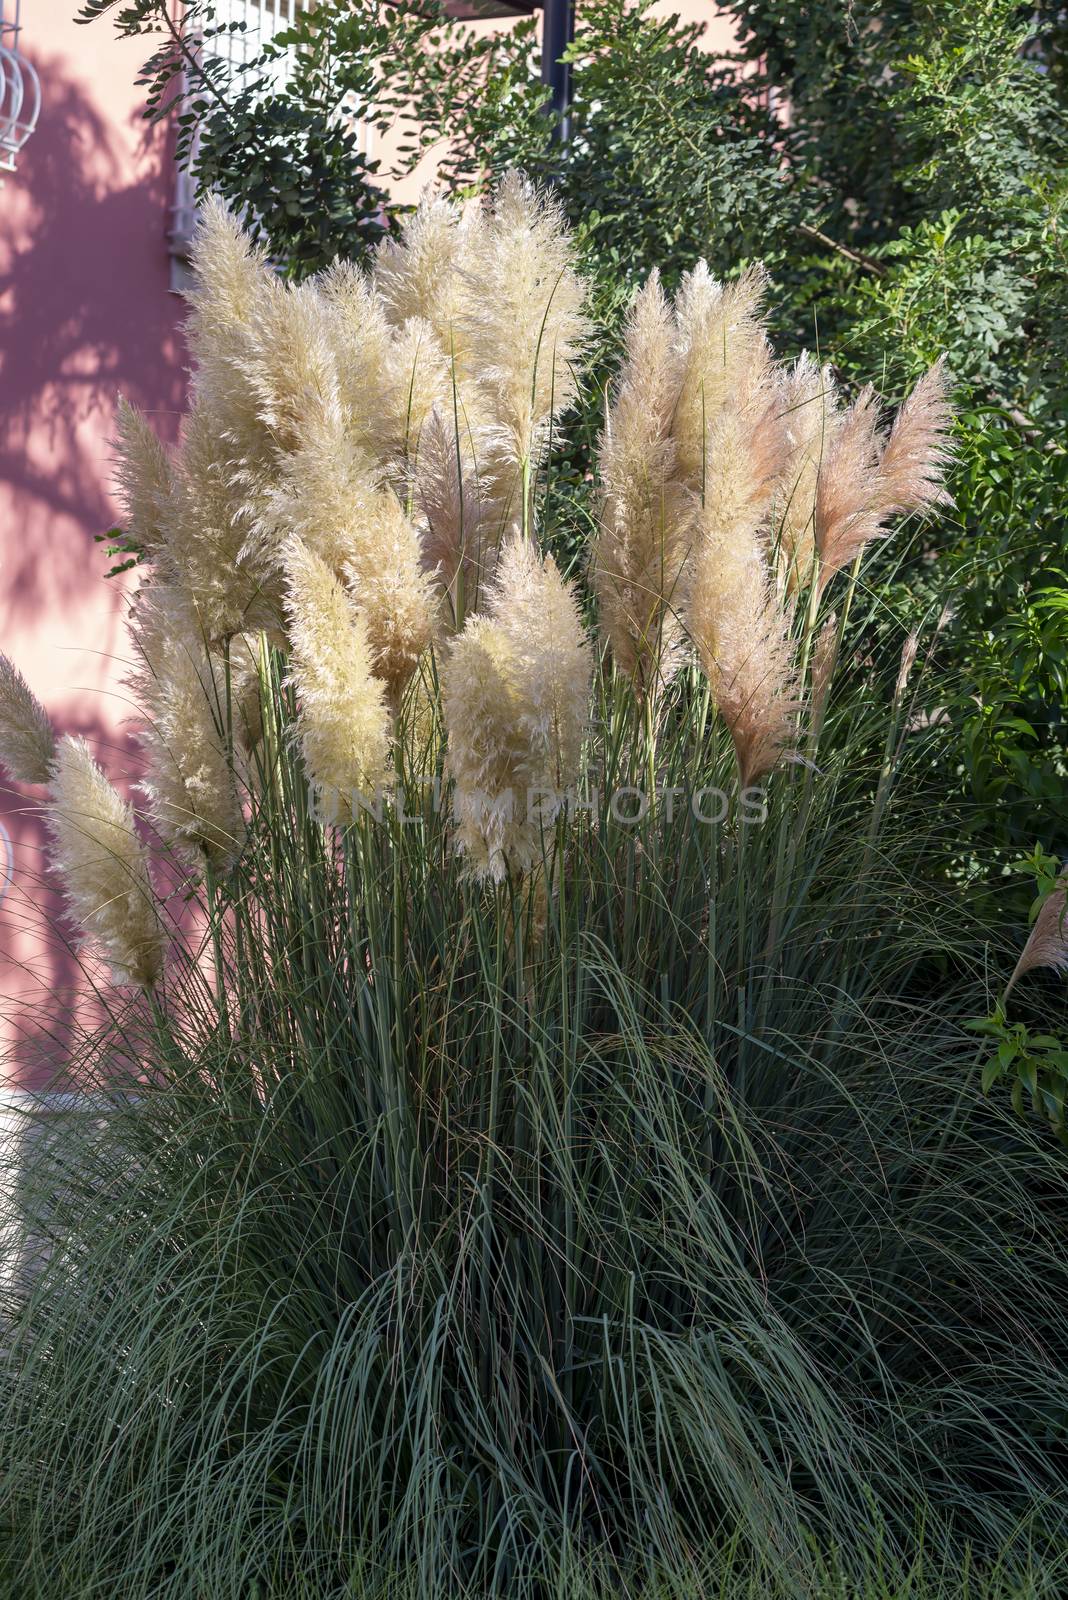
column 515, row 697
column 342, row 722
column 1047, row 943
column 27, row 738
column 103, row 867
column 646, row 525
column 187, row 700
column 558, row 1164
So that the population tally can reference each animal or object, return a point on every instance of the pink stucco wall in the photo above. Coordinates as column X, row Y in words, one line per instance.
column 85, row 313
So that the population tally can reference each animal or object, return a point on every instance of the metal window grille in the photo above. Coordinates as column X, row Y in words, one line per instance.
column 20, row 89
column 263, row 20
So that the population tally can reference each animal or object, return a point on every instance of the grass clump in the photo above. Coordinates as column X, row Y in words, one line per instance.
column 562, row 1174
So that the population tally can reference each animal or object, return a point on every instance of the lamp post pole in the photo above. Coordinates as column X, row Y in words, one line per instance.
column 558, row 30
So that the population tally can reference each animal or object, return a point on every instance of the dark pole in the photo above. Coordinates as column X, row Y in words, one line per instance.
column 558, row 30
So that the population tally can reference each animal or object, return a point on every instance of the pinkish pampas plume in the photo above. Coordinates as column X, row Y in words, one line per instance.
column 1047, row 944
column 868, row 478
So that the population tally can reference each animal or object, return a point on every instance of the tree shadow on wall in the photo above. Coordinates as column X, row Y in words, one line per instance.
column 85, row 314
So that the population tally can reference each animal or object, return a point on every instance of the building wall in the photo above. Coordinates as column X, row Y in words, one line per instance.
column 85, row 314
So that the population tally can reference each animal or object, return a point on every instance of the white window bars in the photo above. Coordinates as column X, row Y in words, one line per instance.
column 20, row 90
column 263, row 20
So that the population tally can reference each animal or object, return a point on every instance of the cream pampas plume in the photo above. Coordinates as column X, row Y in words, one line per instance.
column 867, row 478
column 646, row 523
column 204, row 553
column 343, row 723
column 190, row 782
column 721, row 346
column 103, row 866
column 418, row 383
column 230, row 280
column 234, row 291
column 27, row 738
column 291, row 366
column 448, row 498
column 143, row 478
column 743, row 640
column 420, row 275
column 361, row 338
column 516, row 694
column 1047, row 945
column 392, row 592
column 333, row 500
column 523, row 321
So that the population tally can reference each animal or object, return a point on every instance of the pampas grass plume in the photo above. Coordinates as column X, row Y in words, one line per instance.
column 27, row 738
column 646, row 523
column 1047, row 944
column 143, row 478
column 516, row 694
column 523, row 317
column 868, row 477
column 343, row 723
column 103, row 866
column 720, row 342
column 190, row 782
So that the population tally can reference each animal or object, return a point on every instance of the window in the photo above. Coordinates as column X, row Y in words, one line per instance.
column 263, row 20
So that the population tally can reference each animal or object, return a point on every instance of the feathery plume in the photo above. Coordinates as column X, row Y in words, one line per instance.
column 742, row 635
column 27, row 737
column 492, row 767
column 846, row 515
column 722, row 350
column 447, row 494
column 919, row 450
column 417, row 383
column 190, row 781
column 230, row 275
column 343, row 723
column 868, row 478
column 103, row 866
column 205, row 552
column 735, row 618
column 646, row 522
column 362, row 342
column 334, row 501
column 522, row 319
column 420, row 275
column 291, row 366
column 516, row 694
column 810, row 415
column 143, row 478
column 233, row 291
column 1047, row 944
column 393, row 593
